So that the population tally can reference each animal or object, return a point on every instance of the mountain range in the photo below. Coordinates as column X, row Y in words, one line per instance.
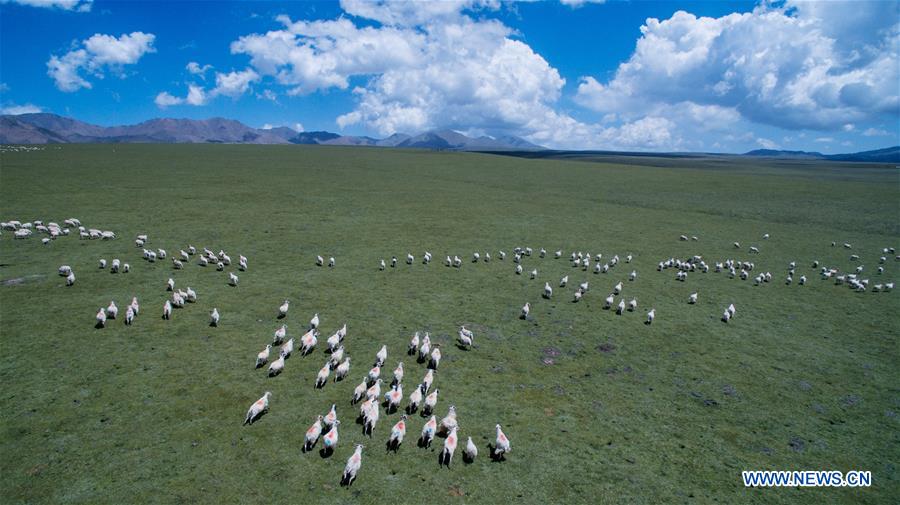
column 45, row 128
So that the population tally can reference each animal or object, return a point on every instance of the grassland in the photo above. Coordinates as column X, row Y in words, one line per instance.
column 805, row 377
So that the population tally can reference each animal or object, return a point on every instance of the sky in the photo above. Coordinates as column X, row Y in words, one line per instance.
column 724, row 76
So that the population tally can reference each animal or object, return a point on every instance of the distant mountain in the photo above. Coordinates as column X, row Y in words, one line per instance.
column 44, row 128
column 886, row 155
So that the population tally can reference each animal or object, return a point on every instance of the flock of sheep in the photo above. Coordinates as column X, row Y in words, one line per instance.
column 423, row 396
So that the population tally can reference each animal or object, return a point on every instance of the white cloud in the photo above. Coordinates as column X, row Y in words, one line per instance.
column 412, row 12
column 196, row 69
column 299, row 127
column 234, row 84
column 875, row 132
column 97, row 55
column 824, row 140
column 267, row 126
column 578, row 3
column 68, row 5
column 15, row 110
column 766, row 143
column 164, row 100
column 196, row 95
column 775, row 66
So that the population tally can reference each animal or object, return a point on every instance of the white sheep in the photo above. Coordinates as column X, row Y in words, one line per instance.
column 283, row 310
column 501, row 444
column 435, row 357
column 352, row 468
column 413, row 346
column 620, row 309
column 430, row 402
column 322, row 376
column 525, row 310
column 449, row 448
column 692, row 299
column 308, row 341
column 101, row 318
column 170, row 284
column 214, row 317
column 632, row 305
column 112, row 311
column 564, row 281
column 410, row 258
column 548, row 291
column 381, row 356
column 312, row 434
column 382, row 265
column 342, row 369
column 232, row 279
column 320, row 261
column 651, row 316
column 397, row 433
column 518, row 269
column 428, row 431
column 102, row 263
column 258, row 407
column 415, row 398
column 263, row 356
column 331, row 262
column 70, row 279
column 314, row 322
column 534, row 273
column 280, row 333
column 287, row 349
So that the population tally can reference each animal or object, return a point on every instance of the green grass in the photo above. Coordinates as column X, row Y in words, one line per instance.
column 805, row 377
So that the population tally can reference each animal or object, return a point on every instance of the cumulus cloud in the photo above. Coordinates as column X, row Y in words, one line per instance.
column 231, row 84
column 96, row 56
column 67, row 5
column 578, row 3
column 164, row 100
column 875, row 132
column 788, row 67
column 197, row 69
column 15, row 110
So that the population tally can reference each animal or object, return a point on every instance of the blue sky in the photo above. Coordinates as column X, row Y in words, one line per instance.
column 648, row 76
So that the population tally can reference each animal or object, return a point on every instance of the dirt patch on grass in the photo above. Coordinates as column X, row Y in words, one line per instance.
column 456, row 491
column 608, row 347
column 551, row 352
column 20, row 280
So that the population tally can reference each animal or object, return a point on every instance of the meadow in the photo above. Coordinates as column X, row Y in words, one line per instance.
column 599, row 408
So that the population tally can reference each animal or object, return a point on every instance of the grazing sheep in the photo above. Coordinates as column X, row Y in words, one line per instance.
column 726, row 316
column 374, row 374
column 393, row 397
column 342, row 370
column 430, row 402
column 548, row 291
column 64, row 270
column 564, row 281
column 502, row 255
column 397, row 433
column 692, row 299
column 101, row 318
column 352, row 468
column 578, row 295
column 70, row 279
column 651, row 316
column 525, row 310
column 214, row 317
column 465, row 340
column 501, row 444
column 177, row 264
column 287, row 349
column 633, row 275
column 283, row 310
column 607, row 304
column 413, row 344
column 449, row 448
column 415, row 398
column 360, row 391
column 382, row 265
column 381, row 356
column 620, row 309
column 102, row 263
column 583, row 286
column 203, row 261
column 331, row 262
column 112, row 311
column 308, row 341
column 320, row 261
column 487, row 257
column 322, row 376
column 314, row 322
column 336, row 355
column 263, row 356
column 330, row 440
column 428, row 432
column 232, row 279
column 617, row 288
column 428, row 379
column 435, row 357
column 534, row 273
column 280, row 333
column 394, row 261
column 802, row 280
column 258, row 407
column 331, row 418
column 312, row 434
column 276, row 367
column 754, row 249
column 518, row 269
column 170, row 284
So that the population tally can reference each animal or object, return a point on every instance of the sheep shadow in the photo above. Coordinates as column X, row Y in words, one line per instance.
column 347, row 480
column 100, row 326
column 213, row 325
column 308, row 447
column 467, row 459
column 256, row 418
column 326, row 452
column 423, row 443
column 495, row 456
column 392, row 446
column 444, row 459
column 281, row 316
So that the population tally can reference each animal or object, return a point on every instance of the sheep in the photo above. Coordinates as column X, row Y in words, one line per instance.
column 214, row 317
column 280, row 333
column 651, row 316
column 518, row 269
column 754, row 249
column 465, row 341
column 308, row 342
column 583, row 286
column 415, row 398
column 457, row 262
column 413, row 345
column 336, row 356
column 101, row 318
column 342, row 369
column 475, row 257
column 263, row 356
column 70, row 279
column 374, row 374
column 428, row 379
column 487, row 257
column 283, row 310
column 578, row 295
column 381, row 266
column 394, row 261
column 312, row 434
column 633, row 275
column 314, row 322
column 322, row 376
column 232, row 279
column 410, row 258
column 102, row 263
column 802, row 280
column 435, row 358
column 112, row 311
column 683, row 238
column 525, row 310
column 548, row 291
column 737, row 245
column 258, row 408
column 331, row 262
column 397, row 433
column 287, row 349
column 534, row 273
column 360, row 391
column 276, row 367
column 449, row 448
column 374, row 390
column 430, row 402
column 620, row 309
column 424, row 350
column 502, row 255
column 428, row 431
column 393, row 397
column 692, row 299
column 888, row 286
column 726, row 316
column 564, row 281
column 134, row 305
column 398, row 373
column 501, row 444
column 847, row 246
column 370, row 417
column 330, row 440
column 203, row 261
column 789, row 280
column 320, row 261
column 609, row 301
column 381, row 356
column 617, row 288
column 731, row 310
